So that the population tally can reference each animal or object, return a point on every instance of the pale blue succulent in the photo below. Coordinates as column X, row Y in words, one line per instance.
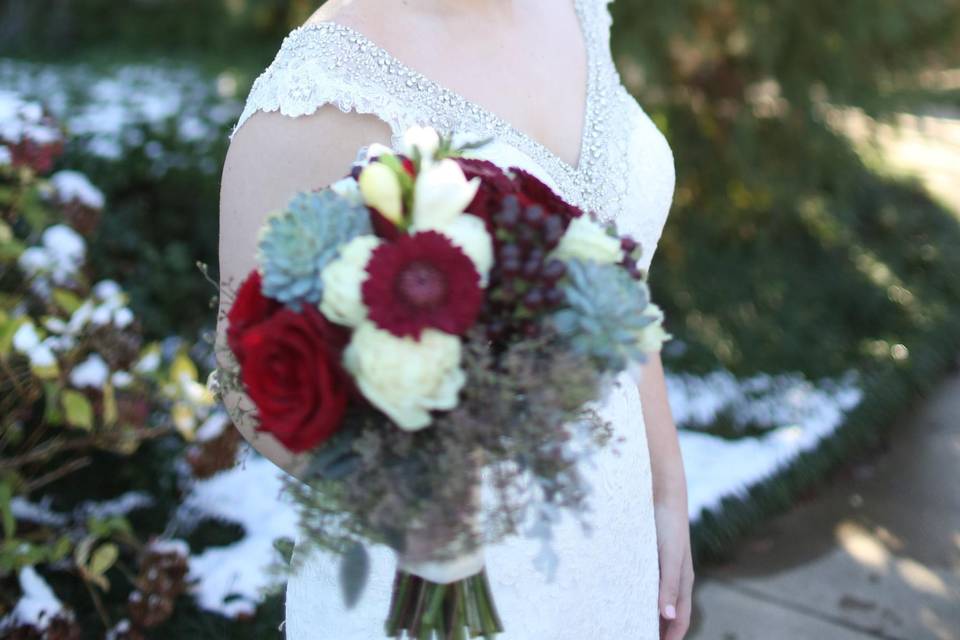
column 604, row 314
column 297, row 243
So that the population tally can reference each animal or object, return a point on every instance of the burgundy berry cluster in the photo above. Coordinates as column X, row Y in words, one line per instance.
column 523, row 282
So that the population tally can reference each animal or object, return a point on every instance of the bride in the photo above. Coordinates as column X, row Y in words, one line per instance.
column 537, row 76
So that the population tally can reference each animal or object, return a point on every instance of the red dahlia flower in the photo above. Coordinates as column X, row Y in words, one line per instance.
column 293, row 375
column 422, row 281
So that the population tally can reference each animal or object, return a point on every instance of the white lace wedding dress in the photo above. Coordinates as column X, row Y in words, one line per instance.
column 606, row 584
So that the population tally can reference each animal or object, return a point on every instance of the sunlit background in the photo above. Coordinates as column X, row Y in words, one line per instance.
column 810, row 271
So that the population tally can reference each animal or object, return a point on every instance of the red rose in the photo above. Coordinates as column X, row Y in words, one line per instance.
column 250, row 307
column 292, row 373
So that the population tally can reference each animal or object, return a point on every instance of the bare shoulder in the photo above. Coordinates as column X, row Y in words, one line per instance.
column 352, row 13
column 310, row 150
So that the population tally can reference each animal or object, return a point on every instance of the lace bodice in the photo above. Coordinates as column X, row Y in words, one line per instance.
column 626, row 167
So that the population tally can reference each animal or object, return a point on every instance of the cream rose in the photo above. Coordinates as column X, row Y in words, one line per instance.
column 343, row 278
column 587, row 240
column 403, row 377
column 653, row 336
column 469, row 233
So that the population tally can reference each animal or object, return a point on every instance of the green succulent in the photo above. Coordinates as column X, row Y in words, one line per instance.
column 297, row 243
column 604, row 314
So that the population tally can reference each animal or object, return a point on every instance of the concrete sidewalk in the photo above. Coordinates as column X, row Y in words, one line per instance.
column 876, row 555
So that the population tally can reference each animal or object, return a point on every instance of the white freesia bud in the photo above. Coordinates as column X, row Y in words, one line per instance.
column 470, row 234
column 587, row 240
column 403, row 377
column 441, row 194
column 426, row 140
column 342, row 281
column 376, row 149
column 381, row 190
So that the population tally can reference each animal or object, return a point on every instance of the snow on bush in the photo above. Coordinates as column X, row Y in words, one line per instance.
column 172, row 114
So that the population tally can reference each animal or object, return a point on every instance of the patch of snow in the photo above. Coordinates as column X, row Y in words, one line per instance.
column 107, row 289
column 27, row 341
column 119, row 506
column 39, row 513
column 121, row 379
column 61, row 253
column 799, row 415
column 26, row 337
column 148, row 363
column 122, row 317
column 213, row 426
column 74, row 186
column 125, row 109
column 37, row 606
column 170, row 545
column 92, row 372
column 252, row 496
column 42, row 513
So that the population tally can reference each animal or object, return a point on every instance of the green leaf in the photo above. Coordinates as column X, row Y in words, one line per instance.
column 103, row 558
column 106, row 527
column 52, row 413
column 78, row 409
column 354, row 572
column 6, row 511
column 182, row 366
column 284, row 546
column 8, row 327
column 67, row 300
column 109, row 405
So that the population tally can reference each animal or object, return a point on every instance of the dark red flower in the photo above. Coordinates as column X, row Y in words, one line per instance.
column 532, row 190
column 422, row 280
column 495, row 184
column 292, row 373
column 382, row 227
column 250, row 308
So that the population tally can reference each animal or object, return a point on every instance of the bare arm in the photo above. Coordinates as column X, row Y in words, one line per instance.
column 669, row 480
column 271, row 158
column 670, row 503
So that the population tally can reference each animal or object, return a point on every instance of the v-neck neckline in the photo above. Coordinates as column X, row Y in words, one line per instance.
column 531, row 141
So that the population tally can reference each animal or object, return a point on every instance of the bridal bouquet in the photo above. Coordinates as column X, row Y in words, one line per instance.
column 433, row 330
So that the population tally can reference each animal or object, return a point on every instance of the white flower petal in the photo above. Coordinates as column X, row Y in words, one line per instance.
column 441, row 193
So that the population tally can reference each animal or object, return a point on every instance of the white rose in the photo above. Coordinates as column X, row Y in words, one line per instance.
column 342, row 281
column 587, row 240
column 470, row 234
column 381, row 190
column 426, row 140
column 403, row 377
column 441, row 194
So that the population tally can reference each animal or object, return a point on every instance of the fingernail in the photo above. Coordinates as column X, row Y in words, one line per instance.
column 669, row 612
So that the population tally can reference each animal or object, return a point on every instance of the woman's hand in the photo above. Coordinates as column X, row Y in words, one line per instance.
column 676, row 569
